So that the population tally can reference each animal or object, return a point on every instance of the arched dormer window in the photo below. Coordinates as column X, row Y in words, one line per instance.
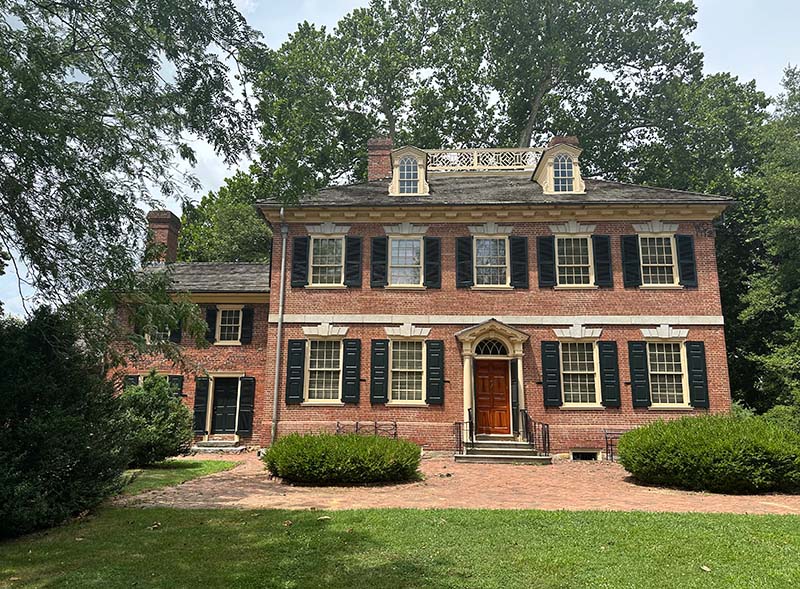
column 563, row 173
column 409, row 175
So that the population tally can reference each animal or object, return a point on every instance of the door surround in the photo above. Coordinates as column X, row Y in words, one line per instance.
column 488, row 366
column 210, row 403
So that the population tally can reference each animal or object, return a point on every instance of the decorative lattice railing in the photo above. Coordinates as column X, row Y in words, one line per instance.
column 512, row 158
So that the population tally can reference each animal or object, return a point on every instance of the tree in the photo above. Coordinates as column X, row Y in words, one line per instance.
column 225, row 226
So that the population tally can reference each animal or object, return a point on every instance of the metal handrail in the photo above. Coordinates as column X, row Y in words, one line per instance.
column 536, row 433
column 464, row 432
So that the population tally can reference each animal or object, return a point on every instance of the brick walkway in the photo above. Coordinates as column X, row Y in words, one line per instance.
column 565, row 485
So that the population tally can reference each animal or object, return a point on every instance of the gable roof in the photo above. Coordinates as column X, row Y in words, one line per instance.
column 497, row 189
column 216, row 277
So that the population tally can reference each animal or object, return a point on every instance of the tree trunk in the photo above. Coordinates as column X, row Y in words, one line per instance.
column 526, row 134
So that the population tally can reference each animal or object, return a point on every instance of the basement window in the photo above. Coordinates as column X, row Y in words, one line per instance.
column 585, row 455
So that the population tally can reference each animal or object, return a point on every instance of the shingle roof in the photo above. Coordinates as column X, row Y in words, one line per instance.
column 500, row 189
column 233, row 277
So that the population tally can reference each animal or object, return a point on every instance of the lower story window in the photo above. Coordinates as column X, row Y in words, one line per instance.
column 324, row 370
column 407, row 371
column 666, row 373
column 578, row 372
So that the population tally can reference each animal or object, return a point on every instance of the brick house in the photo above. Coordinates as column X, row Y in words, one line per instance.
column 489, row 296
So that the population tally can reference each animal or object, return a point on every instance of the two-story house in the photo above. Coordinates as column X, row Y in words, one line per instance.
column 488, row 294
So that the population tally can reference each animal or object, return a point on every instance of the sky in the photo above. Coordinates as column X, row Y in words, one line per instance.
column 754, row 40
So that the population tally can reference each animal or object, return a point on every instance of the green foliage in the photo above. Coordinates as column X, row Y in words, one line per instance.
column 721, row 454
column 225, row 226
column 161, row 425
column 787, row 416
column 741, row 411
column 327, row 459
column 63, row 434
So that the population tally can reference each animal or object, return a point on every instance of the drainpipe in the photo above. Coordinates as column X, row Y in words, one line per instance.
column 279, row 335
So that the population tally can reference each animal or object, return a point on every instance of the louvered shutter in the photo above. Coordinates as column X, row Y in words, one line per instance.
column 352, row 262
column 631, row 266
column 200, row 405
column 300, row 254
column 519, row 261
column 211, row 322
column 551, row 374
column 546, row 256
column 601, row 249
column 640, row 378
column 698, row 375
column 515, row 394
column 247, row 394
column 609, row 374
column 295, row 371
column 464, row 269
column 378, row 262
column 434, row 364
column 247, row 325
column 433, row 262
column 379, row 372
column 687, row 268
column 176, row 382
column 351, row 375
column 175, row 335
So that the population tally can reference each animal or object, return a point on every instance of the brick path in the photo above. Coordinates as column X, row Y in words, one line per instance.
column 565, row 485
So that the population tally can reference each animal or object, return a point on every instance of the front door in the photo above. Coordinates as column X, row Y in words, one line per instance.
column 492, row 397
column 226, row 391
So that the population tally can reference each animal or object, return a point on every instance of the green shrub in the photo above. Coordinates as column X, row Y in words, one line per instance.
column 721, row 454
column 326, row 459
column 785, row 415
column 741, row 411
column 161, row 424
column 63, row 435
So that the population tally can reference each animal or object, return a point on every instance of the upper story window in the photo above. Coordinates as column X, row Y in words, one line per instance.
column 324, row 370
column 327, row 261
column 574, row 261
column 666, row 367
column 409, row 175
column 229, row 325
column 405, row 261
column 657, row 259
column 491, row 261
column 563, row 173
column 579, row 373
column 407, row 371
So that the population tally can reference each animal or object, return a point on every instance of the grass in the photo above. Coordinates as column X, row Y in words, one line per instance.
column 121, row 547
column 172, row 472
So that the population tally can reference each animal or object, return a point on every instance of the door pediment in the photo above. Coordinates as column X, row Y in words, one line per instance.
column 492, row 328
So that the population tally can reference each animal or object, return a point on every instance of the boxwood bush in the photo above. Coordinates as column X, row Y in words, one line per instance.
column 327, row 459
column 721, row 454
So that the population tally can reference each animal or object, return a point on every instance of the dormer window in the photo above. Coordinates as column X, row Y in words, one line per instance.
column 563, row 173
column 409, row 175
column 409, row 172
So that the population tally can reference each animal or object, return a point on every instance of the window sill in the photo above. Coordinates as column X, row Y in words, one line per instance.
column 576, row 287
column 227, row 343
column 402, row 404
column 491, row 287
column 670, row 408
column 661, row 287
column 322, row 404
column 405, row 287
column 582, row 408
column 325, row 286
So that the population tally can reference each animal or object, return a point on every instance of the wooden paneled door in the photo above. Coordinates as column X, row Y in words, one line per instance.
column 226, row 392
column 492, row 397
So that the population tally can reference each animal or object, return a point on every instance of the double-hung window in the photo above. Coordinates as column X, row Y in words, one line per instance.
column 405, row 261
column 666, row 365
column 407, row 371
column 657, row 253
column 229, row 325
column 409, row 176
column 324, row 370
column 579, row 373
column 563, row 173
column 327, row 261
column 491, row 261
column 574, row 261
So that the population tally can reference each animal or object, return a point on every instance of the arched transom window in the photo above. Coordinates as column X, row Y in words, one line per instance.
column 409, row 175
column 563, row 173
column 491, row 347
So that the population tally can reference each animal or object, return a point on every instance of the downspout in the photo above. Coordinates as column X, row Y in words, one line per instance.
column 279, row 335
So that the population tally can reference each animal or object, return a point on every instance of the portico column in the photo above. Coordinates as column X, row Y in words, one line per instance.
column 520, row 389
column 467, row 384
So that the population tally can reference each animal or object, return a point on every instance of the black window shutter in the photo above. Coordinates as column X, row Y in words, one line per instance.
column 601, row 248
column 551, row 374
column 175, row 335
column 200, row 405
column 609, row 374
column 247, row 395
column 464, row 271
column 698, row 375
column 379, row 372
column 176, row 382
column 434, row 363
column 352, row 261
column 640, row 379
column 378, row 262
column 211, row 320
column 515, row 395
column 295, row 371
column 433, row 262
column 631, row 269
column 130, row 380
column 546, row 255
column 300, row 261
column 247, row 325
column 519, row 261
column 351, row 375
column 687, row 268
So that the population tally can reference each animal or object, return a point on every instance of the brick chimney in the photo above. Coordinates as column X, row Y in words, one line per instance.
column 379, row 158
column 164, row 229
column 564, row 140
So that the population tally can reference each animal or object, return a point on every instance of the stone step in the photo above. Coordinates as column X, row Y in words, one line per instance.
column 497, row 445
column 504, row 459
column 493, row 451
column 216, row 444
column 197, row 449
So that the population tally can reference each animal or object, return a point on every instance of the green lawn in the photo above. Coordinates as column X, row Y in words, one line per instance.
column 407, row 549
column 172, row 472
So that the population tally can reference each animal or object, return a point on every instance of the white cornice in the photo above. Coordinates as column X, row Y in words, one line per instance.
column 572, row 227
column 543, row 320
column 664, row 331
column 655, row 226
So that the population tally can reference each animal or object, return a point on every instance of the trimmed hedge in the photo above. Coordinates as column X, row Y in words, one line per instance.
column 327, row 459
column 721, row 454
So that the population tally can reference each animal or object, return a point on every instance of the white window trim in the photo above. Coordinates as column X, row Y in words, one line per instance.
column 675, row 277
column 573, row 177
column 588, row 237
column 421, row 283
column 475, row 285
column 149, row 340
column 408, row 403
column 218, row 327
column 311, row 283
column 684, row 375
column 307, row 374
column 598, row 404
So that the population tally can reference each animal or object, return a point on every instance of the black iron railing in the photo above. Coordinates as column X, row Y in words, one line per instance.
column 537, row 434
column 464, row 432
column 612, row 437
column 368, row 428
